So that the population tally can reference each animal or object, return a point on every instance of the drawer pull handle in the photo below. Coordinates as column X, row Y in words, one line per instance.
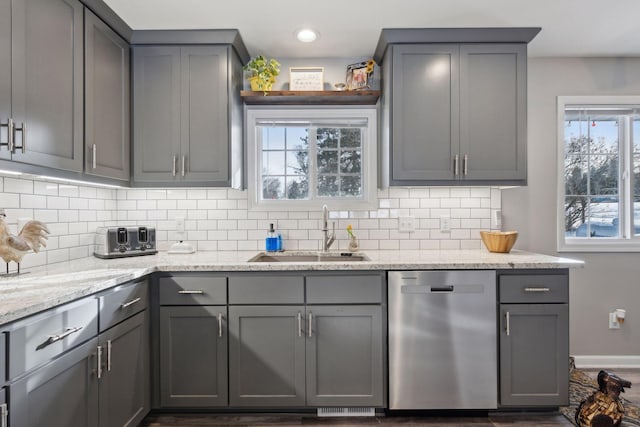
column 66, row 333
column 130, row 303
column 191, row 292
column 537, row 289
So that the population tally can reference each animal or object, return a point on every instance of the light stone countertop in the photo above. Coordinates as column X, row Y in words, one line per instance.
column 41, row 288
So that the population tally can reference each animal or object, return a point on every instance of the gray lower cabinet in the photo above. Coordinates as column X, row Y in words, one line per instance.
column 4, row 414
column 455, row 114
column 267, row 356
column 107, row 100
column 187, row 116
column 534, row 339
column 124, row 375
column 193, row 356
column 344, row 356
column 63, row 393
column 46, row 82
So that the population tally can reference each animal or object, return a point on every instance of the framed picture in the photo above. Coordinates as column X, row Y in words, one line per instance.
column 360, row 75
column 306, row 78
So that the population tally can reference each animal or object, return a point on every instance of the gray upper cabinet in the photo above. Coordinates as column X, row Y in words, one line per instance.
column 46, row 82
column 187, row 116
column 107, row 100
column 5, row 75
column 454, row 113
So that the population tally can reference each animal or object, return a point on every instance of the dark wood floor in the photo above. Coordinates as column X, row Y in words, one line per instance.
column 491, row 420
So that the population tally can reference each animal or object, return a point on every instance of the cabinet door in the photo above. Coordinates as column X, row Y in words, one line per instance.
column 534, row 354
column 266, row 356
column 63, row 393
column 204, row 115
column 345, row 356
column 47, row 82
column 106, row 101
column 156, row 113
column 424, row 107
column 124, row 386
column 5, row 73
column 493, row 111
column 193, row 356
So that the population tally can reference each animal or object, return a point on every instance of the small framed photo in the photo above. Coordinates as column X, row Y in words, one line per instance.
column 306, row 78
column 360, row 75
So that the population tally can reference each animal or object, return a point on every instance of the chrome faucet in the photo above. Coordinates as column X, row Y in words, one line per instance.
column 327, row 239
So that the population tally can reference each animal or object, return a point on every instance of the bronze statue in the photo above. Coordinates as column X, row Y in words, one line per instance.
column 603, row 408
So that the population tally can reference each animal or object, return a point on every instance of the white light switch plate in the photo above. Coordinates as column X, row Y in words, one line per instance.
column 406, row 224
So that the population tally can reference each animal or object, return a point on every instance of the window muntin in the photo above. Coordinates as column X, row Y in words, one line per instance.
column 599, row 173
column 305, row 158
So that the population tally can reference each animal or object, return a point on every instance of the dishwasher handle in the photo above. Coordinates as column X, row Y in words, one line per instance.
column 448, row 288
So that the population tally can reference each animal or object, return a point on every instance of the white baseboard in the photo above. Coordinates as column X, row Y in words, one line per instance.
column 606, row 362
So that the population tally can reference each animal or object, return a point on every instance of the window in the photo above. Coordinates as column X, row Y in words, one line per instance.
column 599, row 174
column 302, row 159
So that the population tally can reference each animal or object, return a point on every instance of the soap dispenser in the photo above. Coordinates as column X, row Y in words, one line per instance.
column 271, row 241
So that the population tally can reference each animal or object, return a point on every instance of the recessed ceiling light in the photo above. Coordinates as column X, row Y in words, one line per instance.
column 307, row 35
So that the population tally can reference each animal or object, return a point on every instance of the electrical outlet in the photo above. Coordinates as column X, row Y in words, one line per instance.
column 613, row 321
column 445, row 224
column 406, row 224
column 496, row 219
column 179, row 223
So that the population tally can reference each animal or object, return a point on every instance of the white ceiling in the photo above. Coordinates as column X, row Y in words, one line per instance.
column 351, row 28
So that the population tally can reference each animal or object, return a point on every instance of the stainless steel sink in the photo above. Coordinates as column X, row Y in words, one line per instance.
column 308, row 257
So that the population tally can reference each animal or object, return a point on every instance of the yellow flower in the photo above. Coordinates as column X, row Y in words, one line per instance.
column 350, row 230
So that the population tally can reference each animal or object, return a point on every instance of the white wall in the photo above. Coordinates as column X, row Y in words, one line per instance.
column 608, row 281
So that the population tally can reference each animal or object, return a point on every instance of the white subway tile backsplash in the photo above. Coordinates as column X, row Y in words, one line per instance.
column 219, row 219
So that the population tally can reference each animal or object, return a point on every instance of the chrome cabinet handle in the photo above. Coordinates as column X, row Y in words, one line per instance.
column 99, row 371
column 187, row 292
column 182, row 172
column 456, row 167
column 507, row 328
column 465, row 165
column 130, row 303
column 537, row 289
column 4, row 414
column 54, row 338
column 94, row 155
column 173, row 165
column 299, row 324
column 310, row 323
column 108, row 355
column 220, row 317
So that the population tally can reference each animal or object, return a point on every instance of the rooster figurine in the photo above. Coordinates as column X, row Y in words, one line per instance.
column 12, row 248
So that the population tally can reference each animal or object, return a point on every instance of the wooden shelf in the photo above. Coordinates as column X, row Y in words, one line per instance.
column 319, row 97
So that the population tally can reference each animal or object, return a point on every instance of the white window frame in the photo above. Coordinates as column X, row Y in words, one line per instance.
column 577, row 244
column 368, row 200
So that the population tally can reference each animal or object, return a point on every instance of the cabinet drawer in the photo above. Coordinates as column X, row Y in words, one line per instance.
column 122, row 302
column 266, row 289
column 39, row 338
column 357, row 289
column 193, row 290
column 534, row 288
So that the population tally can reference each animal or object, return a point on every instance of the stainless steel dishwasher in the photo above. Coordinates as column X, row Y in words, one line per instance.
column 442, row 340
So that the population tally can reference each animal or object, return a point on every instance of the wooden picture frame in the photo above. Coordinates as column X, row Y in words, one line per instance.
column 306, row 78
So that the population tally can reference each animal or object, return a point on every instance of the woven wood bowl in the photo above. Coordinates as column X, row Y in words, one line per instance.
column 499, row 241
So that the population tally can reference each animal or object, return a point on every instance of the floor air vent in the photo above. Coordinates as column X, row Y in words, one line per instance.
column 346, row 412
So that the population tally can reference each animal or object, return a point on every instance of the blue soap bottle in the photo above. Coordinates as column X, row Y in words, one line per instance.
column 271, row 242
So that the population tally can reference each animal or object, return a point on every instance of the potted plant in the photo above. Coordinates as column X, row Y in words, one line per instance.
column 262, row 72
